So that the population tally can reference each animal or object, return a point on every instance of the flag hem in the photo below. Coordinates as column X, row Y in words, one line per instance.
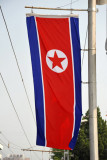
column 51, row 16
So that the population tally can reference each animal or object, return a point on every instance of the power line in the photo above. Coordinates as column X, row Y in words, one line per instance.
column 15, row 109
column 17, row 63
column 5, row 145
column 61, row 1
column 9, row 140
column 68, row 4
column 1, row 141
column 57, row 1
column 31, row 147
column 3, row 153
column 84, row 48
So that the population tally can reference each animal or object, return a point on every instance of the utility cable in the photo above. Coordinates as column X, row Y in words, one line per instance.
column 61, row 1
column 9, row 141
column 5, row 145
column 57, row 1
column 1, row 141
column 84, row 48
column 68, row 4
column 15, row 109
column 3, row 153
column 15, row 148
column 31, row 147
column 17, row 63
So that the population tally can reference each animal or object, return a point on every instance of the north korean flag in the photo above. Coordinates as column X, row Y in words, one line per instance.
column 56, row 65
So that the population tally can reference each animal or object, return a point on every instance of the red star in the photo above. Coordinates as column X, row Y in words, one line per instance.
column 56, row 61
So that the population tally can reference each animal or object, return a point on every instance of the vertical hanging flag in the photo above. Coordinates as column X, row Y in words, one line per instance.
column 56, row 64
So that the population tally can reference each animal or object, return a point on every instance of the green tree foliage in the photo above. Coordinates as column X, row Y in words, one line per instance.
column 58, row 155
column 81, row 150
column 102, row 137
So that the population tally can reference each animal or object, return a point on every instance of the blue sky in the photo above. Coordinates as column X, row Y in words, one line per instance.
column 15, row 15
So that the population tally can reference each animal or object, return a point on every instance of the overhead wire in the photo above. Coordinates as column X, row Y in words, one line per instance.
column 17, row 64
column 9, row 143
column 15, row 109
column 9, row 140
column 3, row 153
column 10, row 147
column 14, row 148
column 61, row 1
column 31, row 147
column 84, row 54
column 10, row 150
column 1, row 141
column 84, row 48
column 68, row 4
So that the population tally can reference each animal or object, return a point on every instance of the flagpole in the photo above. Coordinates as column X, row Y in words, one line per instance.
column 93, row 133
column 63, row 9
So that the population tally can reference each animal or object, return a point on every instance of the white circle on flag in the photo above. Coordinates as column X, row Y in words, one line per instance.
column 56, row 60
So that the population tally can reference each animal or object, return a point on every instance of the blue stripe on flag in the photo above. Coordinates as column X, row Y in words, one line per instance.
column 77, row 74
column 38, row 87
